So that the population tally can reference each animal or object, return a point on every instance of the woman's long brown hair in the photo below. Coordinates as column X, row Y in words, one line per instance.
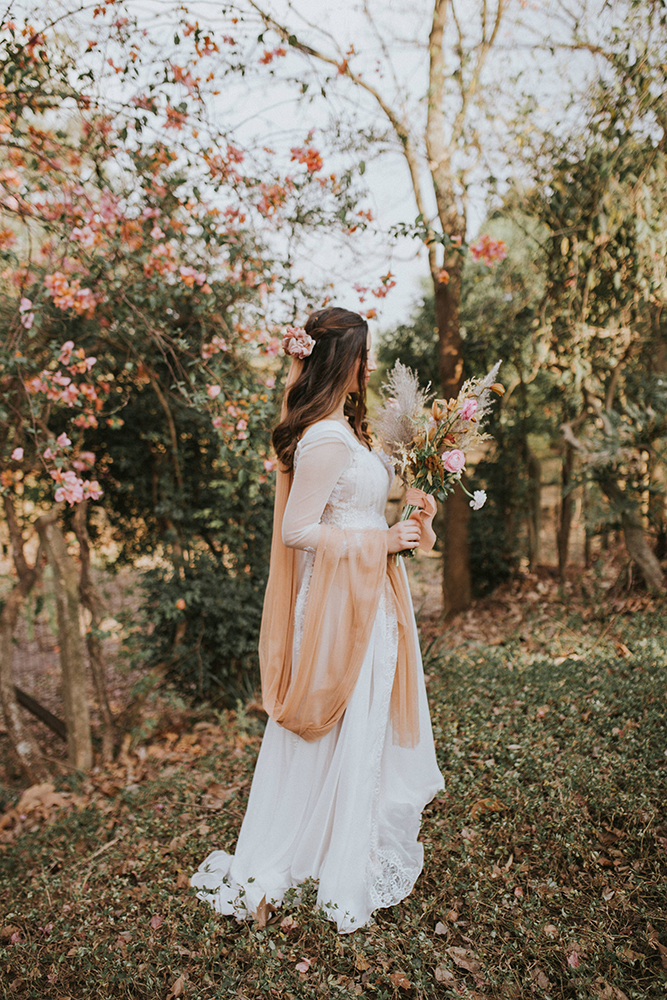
column 340, row 344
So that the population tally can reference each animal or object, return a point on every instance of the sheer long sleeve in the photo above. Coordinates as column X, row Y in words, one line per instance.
column 323, row 456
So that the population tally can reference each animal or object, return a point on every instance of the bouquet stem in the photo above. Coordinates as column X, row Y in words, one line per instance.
column 407, row 511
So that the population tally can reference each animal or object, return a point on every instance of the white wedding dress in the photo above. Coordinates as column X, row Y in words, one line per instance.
column 346, row 808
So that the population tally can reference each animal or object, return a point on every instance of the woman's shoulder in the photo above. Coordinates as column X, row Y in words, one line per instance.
column 327, row 430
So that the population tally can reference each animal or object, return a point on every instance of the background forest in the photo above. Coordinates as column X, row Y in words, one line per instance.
column 156, row 236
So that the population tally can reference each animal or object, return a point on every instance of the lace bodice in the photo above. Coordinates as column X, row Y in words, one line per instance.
column 337, row 481
column 359, row 498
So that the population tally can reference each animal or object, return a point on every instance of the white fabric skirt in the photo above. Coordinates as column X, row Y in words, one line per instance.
column 344, row 810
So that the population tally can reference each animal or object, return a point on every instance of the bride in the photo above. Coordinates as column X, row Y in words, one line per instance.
column 347, row 762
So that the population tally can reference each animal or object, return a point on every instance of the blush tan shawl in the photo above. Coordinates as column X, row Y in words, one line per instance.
column 350, row 574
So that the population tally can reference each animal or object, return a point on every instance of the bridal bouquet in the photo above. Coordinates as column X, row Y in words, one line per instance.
column 428, row 449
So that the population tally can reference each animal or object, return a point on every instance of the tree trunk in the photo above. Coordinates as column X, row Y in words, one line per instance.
column 448, row 319
column 563, row 534
column 636, row 543
column 640, row 551
column 457, row 582
column 24, row 746
column 92, row 599
column 72, row 657
column 534, row 469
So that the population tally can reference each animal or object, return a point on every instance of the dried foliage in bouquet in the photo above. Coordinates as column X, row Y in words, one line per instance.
column 428, row 449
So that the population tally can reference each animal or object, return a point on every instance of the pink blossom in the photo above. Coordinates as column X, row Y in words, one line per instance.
column 469, row 409
column 17, row 454
column 63, row 441
column 218, row 422
column 88, row 391
column 270, row 383
column 84, row 236
column 272, row 347
column 48, row 454
column 453, row 460
column 573, row 959
column 303, row 965
column 213, row 347
column 27, row 319
column 242, row 425
column 92, row 489
column 25, row 305
column 487, row 250
column 69, row 395
column 66, row 352
column 70, row 489
column 9, row 176
column 213, row 391
column 157, row 233
column 269, row 465
column 85, row 420
column 191, row 276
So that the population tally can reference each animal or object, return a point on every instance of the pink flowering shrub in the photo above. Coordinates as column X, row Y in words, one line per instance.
column 488, row 250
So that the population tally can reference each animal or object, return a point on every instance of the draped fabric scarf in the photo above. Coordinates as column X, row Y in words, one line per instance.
column 350, row 574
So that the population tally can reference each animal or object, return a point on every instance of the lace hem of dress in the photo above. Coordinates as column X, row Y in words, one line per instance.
column 392, row 882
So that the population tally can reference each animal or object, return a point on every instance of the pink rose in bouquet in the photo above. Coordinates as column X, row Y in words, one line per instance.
column 469, row 409
column 453, row 460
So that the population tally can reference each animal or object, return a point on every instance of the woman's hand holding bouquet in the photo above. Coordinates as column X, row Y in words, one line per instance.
column 428, row 449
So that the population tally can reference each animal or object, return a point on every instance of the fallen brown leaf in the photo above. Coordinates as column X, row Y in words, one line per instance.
column 263, row 912
column 540, row 979
column 486, row 805
column 177, row 988
column 606, row 991
column 400, row 979
column 465, row 959
column 654, row 942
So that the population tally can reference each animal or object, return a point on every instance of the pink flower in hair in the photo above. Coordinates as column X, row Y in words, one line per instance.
column 296, row 342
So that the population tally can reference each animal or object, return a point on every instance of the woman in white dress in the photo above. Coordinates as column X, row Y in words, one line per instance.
column 347, row 762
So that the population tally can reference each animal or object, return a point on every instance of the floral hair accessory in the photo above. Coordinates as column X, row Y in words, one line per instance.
column 297, row 342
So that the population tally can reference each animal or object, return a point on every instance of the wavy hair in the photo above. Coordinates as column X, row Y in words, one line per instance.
column 340, row 344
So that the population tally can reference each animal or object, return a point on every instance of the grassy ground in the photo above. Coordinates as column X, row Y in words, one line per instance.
column 546, row 857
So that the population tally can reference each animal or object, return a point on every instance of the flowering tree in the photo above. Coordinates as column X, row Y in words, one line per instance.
column 136, row 276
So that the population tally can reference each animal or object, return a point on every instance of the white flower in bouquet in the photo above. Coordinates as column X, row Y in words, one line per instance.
column 478, row 499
